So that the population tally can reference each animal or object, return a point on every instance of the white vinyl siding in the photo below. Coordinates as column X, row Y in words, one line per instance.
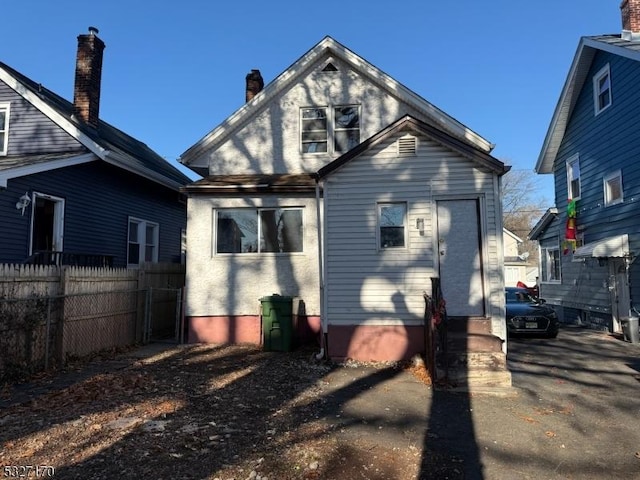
column 367, row 285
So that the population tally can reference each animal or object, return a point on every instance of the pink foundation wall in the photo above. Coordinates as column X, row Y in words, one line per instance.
column 223, row 329
column 375, row 343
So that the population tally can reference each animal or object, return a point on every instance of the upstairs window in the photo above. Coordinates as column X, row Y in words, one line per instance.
column 143, row 242
column 392, row 222
column 613, row 188
column 573, row 178
column 330, row 130
column 4, row 127
column 265, row 230
column 602, row 89
column 314, row 130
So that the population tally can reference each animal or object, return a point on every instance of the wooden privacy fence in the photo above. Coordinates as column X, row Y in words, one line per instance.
column 49, row 314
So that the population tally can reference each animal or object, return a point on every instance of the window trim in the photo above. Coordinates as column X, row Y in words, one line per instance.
column 331, row 127
column 544, row 272
column 405, row 224
column 216, row 212
column 575, row 159
column 605, row 183
column 5, row 144
column 142, row 240
column 602, row 73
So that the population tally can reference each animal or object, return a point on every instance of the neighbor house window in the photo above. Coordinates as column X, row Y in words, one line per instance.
column 330, row 130
column 602, row 89
column 550, row 264
column 264, row 230
column 4, row 127
column 573, row 178
column 143, row 242
column 613, row 188
column 392, row 222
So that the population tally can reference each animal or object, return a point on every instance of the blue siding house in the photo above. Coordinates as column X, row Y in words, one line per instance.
column 590, row 240
column 76, row 190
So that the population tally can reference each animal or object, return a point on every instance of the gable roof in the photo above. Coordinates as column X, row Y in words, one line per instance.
column 107, row 143
column 576, row 78
column 539, row 228
column 481, row 158
column 511, row 234
column 331, row 48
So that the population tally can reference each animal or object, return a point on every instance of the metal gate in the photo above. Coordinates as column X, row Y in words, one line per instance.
column 163, row 315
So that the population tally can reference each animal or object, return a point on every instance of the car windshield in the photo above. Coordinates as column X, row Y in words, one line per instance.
column 519, row 296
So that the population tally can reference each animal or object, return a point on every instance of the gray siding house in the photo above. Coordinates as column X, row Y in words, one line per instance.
column 339, row 187
column 76, row 190
column 589, row 241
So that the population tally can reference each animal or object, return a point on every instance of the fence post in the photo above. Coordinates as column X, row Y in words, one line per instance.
column 147, row 316
column 178, row 322
column 47, row 339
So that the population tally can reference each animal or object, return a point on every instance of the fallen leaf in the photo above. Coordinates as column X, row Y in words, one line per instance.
column 550, row 434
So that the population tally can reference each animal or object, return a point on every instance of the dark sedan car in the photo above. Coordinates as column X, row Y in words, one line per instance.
column 527, row 315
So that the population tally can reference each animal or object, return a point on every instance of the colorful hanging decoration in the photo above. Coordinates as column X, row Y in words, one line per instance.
column 570, row 238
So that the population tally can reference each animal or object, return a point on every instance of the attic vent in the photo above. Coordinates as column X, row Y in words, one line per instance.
column 330, row 67
column 407, row 146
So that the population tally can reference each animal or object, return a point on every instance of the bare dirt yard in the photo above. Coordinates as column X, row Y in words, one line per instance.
column 207, row 412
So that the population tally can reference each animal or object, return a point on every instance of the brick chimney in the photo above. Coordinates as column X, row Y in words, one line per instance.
column 630, row 10
column 86, row 92
column 255, row 84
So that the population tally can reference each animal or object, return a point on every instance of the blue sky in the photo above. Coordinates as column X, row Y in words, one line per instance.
column 173, row 71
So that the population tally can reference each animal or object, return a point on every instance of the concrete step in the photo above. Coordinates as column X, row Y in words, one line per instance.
column 473, row 342
column 495, row 361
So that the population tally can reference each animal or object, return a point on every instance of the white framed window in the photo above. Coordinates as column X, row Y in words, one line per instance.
column 143, row 240
column 258, row 230
column 327, row 129
column 4, row 128
column 47, row 223
column 602, row 89
column 550, row 257
column 613, row 189
column 392, row 225
column 573, row 178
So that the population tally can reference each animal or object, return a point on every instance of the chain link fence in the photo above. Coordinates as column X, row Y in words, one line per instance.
column 42, row 333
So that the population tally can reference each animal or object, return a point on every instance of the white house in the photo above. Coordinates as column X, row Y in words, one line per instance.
column 338, row 186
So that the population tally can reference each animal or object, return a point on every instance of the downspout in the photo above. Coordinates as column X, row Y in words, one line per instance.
column 321, row 354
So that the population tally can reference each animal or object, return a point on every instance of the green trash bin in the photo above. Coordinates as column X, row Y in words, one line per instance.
column 277, row 323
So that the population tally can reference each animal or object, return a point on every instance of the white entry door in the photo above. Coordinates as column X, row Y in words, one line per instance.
column 460, row 257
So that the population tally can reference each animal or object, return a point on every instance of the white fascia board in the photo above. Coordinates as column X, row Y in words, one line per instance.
column 50, row 112
column 120, row 161
column 22, row 171
column 330, row 46
column 558, row 124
